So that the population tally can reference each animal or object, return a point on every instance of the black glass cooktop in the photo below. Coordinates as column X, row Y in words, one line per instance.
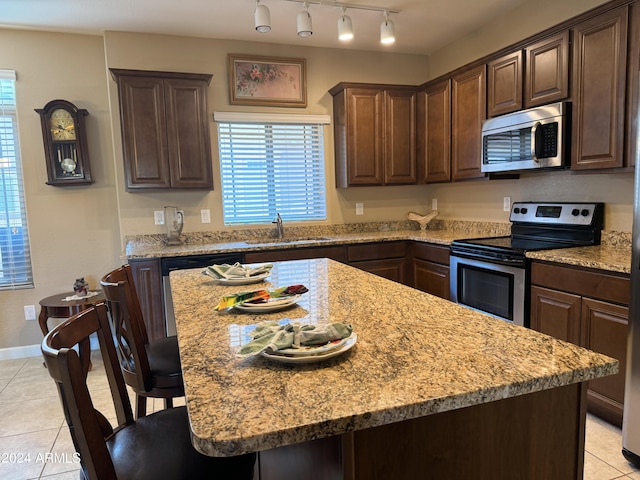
column 512, row 244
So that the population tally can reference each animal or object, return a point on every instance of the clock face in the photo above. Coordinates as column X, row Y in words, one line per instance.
column 62, row 125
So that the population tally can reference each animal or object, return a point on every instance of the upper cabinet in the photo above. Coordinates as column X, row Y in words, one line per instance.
column 599, row 89
column 434, row 132
column 547, row 70
column 375, row 134
column 530, row 76
column 165, row 132
column 468, row 109
column 505, row 84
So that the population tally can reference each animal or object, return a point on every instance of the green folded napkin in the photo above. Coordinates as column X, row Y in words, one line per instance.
column 237, row 270
column 271, row 336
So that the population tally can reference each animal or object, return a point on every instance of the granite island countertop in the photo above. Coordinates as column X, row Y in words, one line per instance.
column 415, row 355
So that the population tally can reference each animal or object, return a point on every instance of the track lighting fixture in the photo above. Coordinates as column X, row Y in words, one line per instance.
column 345, row 27
column 303, row 22
column 262, row 18
column 387, row 30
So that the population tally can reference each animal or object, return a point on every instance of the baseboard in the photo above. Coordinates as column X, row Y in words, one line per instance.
column 27, row 351
column 20, row 352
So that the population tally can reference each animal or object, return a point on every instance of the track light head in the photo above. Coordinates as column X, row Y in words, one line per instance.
column 262, row 18
column 387, row 30
column 303, row 22
column 345, row 27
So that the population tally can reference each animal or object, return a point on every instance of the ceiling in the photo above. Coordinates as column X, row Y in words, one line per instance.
column 422, row 26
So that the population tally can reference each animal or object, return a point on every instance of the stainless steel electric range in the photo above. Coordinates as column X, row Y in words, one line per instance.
column 492, row 275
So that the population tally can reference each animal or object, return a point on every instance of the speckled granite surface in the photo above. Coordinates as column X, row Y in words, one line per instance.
column 416, row 355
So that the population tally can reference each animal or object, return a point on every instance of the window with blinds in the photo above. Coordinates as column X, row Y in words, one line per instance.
column 15, row 258
column 270, row 166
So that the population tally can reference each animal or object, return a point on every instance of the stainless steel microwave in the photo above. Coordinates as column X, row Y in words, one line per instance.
column 527, row 139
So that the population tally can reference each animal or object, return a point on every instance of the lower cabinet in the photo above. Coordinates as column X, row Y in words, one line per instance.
column 588, row 308
column 386, row 259
column 337, row 253
column 430, row 269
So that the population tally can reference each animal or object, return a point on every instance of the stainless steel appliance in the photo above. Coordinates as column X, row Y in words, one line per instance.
column 631, row 415
column 169, row 264
column 528, row 139
column 491, row 274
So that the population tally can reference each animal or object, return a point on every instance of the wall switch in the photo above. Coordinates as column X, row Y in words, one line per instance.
column 434, row 204
column 359, row 208
column 29, row 312
column 158, row 217
column 506, row 204
column 205, row 215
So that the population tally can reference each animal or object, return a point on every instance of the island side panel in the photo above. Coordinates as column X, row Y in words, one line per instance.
column 529, row 437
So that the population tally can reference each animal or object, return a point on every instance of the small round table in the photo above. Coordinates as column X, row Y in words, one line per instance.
column 56, row 307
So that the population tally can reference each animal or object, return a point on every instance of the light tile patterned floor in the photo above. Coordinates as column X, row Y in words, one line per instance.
column 35, row 441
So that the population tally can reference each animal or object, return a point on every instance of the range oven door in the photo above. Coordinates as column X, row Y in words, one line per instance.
column 492, row 288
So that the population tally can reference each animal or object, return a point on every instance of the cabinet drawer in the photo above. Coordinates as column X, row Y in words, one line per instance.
column 589, row 283
column 334, row 253
column 376, row 251
column 430, row 253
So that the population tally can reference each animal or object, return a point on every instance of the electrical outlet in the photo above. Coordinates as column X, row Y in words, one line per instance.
column 158, row 217
column 205, row 215
column 29, row 312
column 506, row 204
column 359, row 208
column 434, row 204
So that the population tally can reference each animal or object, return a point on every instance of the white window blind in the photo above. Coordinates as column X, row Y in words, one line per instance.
column 15, row 258
column 268, row 167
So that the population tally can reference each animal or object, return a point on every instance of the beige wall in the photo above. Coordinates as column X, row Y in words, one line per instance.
column 78, row 231
column 73, row 230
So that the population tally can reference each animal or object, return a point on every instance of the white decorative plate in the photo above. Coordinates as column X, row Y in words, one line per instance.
column 271, row 305
column 310, row 358
column 238, row 281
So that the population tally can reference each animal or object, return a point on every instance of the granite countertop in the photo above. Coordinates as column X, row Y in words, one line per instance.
column 416, row 355
column 613, row 255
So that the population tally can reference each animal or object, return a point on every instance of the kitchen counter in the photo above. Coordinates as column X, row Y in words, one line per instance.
column 416, row 356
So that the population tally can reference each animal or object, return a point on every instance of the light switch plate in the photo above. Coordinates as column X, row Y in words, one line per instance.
column 359, row 208
column 29, row 312
column 506, row 204
column 205, row 215
column 158, row 217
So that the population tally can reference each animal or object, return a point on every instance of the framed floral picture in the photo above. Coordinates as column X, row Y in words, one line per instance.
column 267, row 81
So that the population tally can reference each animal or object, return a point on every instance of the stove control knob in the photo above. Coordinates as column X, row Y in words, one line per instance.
column 516, row 210
column 584, row 212
column 524, row 210
column 575, row 212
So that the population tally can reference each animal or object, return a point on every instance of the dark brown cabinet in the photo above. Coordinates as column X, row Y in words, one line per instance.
column 599, row 88
column 148, row 282
column 374, row 134
column 504, row 84
column 387, row 260
column 430, row 269
column 468, row 100
column 337, row 253
column 547, row 70
column 434, row 133
column 588, row 308
column 165, row 132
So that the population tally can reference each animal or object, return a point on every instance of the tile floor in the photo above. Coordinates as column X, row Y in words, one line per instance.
column 35, row 441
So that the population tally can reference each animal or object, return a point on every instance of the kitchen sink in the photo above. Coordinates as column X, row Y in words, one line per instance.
column 271, row 240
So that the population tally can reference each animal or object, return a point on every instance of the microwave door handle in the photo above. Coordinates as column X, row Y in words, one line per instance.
column 534, row 150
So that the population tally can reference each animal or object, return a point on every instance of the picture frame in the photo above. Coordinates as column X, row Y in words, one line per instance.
column 267, row 81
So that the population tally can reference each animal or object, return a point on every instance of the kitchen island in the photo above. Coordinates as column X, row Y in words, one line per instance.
column 430, row 390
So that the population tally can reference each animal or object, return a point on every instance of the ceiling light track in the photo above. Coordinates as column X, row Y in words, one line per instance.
column 350, row 6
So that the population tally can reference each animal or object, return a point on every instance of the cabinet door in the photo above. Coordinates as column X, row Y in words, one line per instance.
column 599, row 81
column 144, row 133
column 556, row 313
column 604, row 330
column 547, row 72
column 364, row 136
column 434, row 139
column 189, row 143
column 400, row 137
column 391, row 268
column 431, row 277
column 505, row 84
column 468, row 111
column 148, row 282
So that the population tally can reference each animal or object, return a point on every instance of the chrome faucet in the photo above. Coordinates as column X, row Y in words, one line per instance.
column 279, row 227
